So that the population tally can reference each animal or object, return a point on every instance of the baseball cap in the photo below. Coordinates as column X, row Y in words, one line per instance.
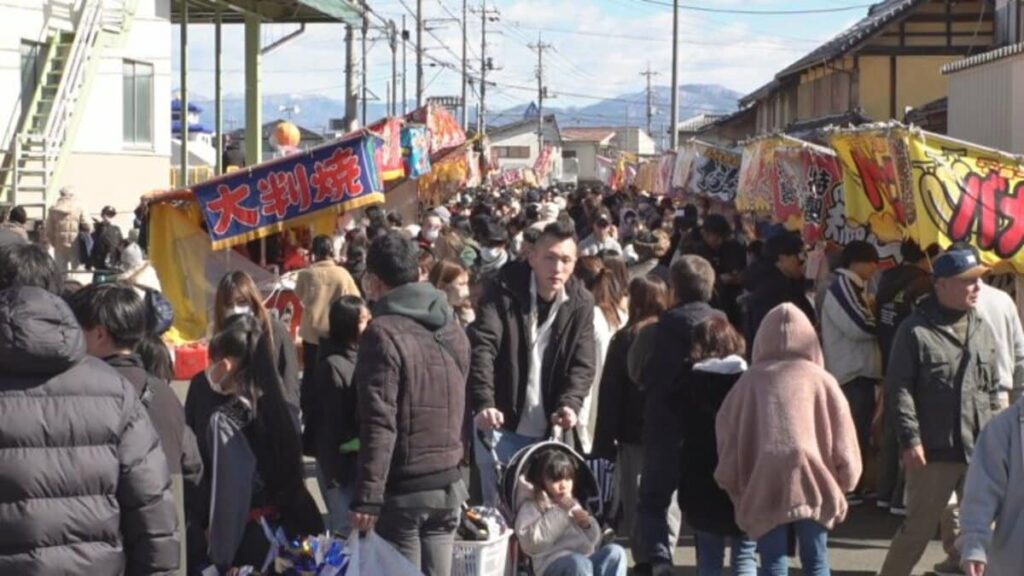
column 959, row 261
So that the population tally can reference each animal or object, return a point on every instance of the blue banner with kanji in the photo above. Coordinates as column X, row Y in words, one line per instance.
column 254, row 202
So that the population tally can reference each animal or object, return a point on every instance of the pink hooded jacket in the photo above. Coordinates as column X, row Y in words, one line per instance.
column 787, row 447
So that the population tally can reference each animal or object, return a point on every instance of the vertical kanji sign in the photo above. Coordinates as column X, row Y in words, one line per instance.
column 252, row 203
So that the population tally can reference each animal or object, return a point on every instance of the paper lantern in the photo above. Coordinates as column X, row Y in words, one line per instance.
column 285, row 137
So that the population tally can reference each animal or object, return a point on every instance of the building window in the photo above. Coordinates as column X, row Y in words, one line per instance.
column 512, row 152
column 138, row 103
column 568, row 153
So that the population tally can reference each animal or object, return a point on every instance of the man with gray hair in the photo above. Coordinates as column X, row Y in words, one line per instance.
column 657, row 360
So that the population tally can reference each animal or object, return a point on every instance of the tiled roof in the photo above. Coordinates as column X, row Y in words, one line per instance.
column 879, row 16
column 986, row 58
column 587, row 134
column 695, row 123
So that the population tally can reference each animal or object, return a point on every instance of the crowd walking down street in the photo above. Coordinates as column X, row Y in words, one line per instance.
column 722, row 408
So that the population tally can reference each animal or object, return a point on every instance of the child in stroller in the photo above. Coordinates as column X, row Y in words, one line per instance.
column 558, row 534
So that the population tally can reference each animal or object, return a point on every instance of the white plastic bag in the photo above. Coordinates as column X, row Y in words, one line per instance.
column 371, row 555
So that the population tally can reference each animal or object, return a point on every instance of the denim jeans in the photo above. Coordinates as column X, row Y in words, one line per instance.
column 338, row 500
column 812, row 542
column 506, row 445
column 608, row 561
column 421, row 526
column 711, row 554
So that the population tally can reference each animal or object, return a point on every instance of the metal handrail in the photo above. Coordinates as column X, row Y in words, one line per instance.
column 86, row 32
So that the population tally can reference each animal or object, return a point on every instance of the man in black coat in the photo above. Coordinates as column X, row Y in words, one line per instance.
column 83, row 477
column 113, row 320
column 779, row 279
column 533, row 350
column 660, row 355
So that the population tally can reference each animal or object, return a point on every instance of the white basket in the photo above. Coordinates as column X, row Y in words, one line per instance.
column 488, row 558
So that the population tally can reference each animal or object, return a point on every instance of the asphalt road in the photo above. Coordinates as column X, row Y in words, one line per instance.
column 856, row 548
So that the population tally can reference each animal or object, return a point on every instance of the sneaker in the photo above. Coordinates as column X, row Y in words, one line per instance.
column 854, row 499
column 898, row 510
column 948, row 567
column 883, row 504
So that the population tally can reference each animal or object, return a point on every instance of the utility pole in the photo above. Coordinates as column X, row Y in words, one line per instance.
column 362, row 79
column 485, row 65
column 405, row 41
column 539, row 48
column 674, row 115
column 419, row 53
column 465, row 72
column 393, row 40
column 351, row 94
column 650, row 104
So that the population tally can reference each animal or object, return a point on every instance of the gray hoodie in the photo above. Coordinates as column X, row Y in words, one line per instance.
column 994, row 493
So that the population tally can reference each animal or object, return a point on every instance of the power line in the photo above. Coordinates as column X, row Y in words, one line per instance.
column 693, row 8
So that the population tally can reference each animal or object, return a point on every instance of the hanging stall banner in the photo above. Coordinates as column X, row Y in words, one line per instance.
column 254, row 202
column 877, row 186
column 666, row 167
column 389, row 153
column 756, row 186
column 605, row 170
column 545, row 161
column 837, row 229
column 446, row 178
column 713, row 173
column 805, row 176
column 474, row 178
column 968, row 193
column 443, row 128
column 685, row 156
column 416, row 152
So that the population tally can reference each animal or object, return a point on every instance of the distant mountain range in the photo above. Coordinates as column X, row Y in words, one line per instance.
column 315, row 112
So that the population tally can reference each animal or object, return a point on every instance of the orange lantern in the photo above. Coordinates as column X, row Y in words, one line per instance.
column 285, row 137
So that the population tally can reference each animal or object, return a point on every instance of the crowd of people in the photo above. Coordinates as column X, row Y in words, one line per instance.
column 734, row 378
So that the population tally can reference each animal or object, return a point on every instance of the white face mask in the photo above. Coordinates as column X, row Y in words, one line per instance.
column 490, row 254
column 431, row 235
column 215, row 384
column 235, row 310
column 458, row 295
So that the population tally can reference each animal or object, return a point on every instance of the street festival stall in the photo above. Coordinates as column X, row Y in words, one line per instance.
column 197, row 234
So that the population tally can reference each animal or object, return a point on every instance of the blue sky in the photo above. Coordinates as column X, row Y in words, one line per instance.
column 600, row 48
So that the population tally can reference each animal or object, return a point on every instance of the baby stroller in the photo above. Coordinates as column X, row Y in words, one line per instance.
column 585, row 486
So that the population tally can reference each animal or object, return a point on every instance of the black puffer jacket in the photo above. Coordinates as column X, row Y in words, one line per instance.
column 84, row 484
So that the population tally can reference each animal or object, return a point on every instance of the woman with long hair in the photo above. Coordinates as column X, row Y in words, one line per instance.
column 237, row 295
column 609, row 316
column 256, row 457
column 329, row 409
column 716, row 364
column 620, row 416
column 452, row 278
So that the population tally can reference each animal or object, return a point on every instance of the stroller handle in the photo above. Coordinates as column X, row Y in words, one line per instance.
column 556, row 433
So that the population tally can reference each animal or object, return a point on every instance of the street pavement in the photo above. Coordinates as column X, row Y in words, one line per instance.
column 856, row 548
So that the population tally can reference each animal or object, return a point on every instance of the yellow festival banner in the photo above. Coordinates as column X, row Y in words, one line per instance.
column 936, row 190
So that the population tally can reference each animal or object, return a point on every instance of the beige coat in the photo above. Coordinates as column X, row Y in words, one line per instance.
column 317, row 288
column 787, row 446
column 547, row 532
column 62, row 222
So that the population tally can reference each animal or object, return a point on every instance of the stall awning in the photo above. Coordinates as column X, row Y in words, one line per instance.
column 277, row 11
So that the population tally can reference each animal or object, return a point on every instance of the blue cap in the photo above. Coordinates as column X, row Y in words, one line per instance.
column 958, row 263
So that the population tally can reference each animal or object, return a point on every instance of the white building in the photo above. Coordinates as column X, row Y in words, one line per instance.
column 584, row 145
column 85, row 86
column 986, row 91
column 515, row 145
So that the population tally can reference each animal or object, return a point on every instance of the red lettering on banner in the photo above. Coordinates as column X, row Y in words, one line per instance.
column 875, row 176
column 978, row 202
column 336, row 176
column 228, row 206
column 1012, row 209
column 282, row 190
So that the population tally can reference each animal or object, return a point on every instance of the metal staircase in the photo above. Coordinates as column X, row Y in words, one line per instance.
column 39, row 146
